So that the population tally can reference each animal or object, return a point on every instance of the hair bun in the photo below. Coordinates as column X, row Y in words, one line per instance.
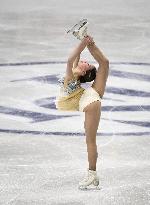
column 89, row 76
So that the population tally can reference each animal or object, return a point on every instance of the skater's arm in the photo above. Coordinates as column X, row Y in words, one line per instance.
column 75, row 63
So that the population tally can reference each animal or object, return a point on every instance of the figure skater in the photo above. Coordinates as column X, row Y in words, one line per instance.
column 74, row 97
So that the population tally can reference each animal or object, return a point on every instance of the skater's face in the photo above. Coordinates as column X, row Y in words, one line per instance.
column 83, row 66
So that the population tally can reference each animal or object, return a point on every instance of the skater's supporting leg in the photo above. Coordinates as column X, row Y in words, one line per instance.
column 92, row 117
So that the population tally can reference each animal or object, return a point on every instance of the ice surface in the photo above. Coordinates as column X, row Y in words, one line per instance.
column 43, row 151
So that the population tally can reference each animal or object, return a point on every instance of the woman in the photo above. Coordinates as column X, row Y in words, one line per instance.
column 74, row 97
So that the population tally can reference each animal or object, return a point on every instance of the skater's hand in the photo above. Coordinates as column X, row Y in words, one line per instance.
column 88, row 40
column 85, row 40
column 91, row 41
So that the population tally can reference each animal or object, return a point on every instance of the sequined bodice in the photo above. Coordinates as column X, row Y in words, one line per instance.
column 71, row 86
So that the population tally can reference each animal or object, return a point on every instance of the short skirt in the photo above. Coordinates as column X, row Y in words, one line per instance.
column 69, row 102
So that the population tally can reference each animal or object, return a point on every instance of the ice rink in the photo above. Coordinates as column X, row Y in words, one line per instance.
column 42, row 150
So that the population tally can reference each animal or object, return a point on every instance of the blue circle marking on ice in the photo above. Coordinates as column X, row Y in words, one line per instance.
column 49, row 102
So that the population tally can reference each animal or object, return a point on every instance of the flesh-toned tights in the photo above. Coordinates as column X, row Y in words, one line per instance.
column 92, row 118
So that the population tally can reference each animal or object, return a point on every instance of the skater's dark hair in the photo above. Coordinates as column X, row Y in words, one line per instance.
column 89, row 76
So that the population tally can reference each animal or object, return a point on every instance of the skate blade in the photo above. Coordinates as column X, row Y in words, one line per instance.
column 89, row 188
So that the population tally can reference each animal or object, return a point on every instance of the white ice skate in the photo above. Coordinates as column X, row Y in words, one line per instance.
column 90, row 181
column 79, row 30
